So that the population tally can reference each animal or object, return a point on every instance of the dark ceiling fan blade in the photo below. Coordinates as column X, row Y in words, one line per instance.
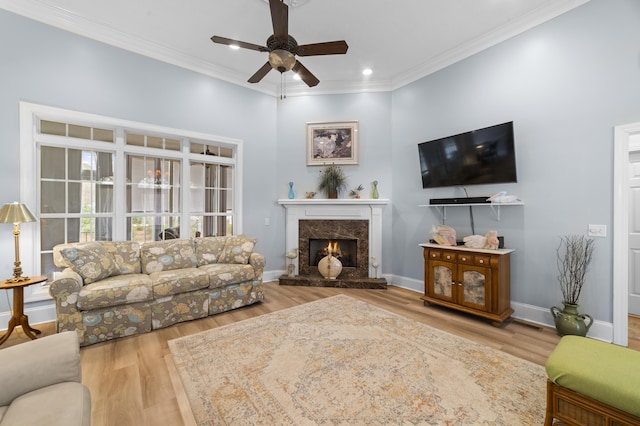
column 279, row 19
column 231, row 42
column 259, row 75
column 305, row 74
column 328, row 48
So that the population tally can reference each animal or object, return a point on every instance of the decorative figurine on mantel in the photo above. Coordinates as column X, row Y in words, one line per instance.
column 355, row 193
column 309, row 195
column 291, row 268
column 292, row 195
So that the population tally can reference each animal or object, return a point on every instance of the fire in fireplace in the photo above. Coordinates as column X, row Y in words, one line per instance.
column 343, row 249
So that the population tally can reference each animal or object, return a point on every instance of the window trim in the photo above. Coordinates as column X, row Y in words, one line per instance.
column 31, row 113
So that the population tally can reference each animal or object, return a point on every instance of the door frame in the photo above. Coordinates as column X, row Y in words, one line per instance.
column 623, row 145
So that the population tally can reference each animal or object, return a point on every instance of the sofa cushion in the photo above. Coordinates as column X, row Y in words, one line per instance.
column 165, row 283
column 237, row 249
column 222, row 274
column 91, row 261
column 209, row 249
column 167, row 255
column 67, row 403
column 114, row 291
column 126, row 254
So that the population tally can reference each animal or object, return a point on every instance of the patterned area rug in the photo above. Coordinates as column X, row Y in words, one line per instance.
column 341, row 361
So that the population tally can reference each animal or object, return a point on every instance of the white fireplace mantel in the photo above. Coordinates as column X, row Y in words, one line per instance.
column 335, row 209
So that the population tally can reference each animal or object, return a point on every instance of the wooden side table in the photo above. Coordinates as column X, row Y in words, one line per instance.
column 18, row 317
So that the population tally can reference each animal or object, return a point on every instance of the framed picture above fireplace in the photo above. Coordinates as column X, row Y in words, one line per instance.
column 332, row 143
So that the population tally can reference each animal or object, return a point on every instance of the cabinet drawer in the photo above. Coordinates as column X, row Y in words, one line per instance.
column 482, row 260
column 435, row 254
column 449, row 256
column 474, row 259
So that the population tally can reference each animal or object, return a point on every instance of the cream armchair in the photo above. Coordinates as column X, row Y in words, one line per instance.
column 41, row 383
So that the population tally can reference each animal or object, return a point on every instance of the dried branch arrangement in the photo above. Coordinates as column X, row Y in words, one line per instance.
column 573, row 257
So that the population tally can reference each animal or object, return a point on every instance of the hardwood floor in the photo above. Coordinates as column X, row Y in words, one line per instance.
column 130, row 378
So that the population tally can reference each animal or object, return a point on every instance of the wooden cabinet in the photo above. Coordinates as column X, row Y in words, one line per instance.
column 472, row 281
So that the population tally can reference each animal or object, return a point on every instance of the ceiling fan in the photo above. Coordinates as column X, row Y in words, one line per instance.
column 283, row 48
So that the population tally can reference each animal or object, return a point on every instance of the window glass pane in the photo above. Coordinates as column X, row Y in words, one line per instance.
column 104, row 166
column 87, row 226
column 79, row 131
column 53, row 128
column 75, row 198
column 51, row 233
column 74, row 165
column 136, row 140
column 88, row 165
column 73, row 230
column 52, row 199
column 154, row 142
column 104, row 198
column 103, row 227
column 52, row 162
column 46, row 265
column 196, row 148
column 172, row 144
column 103, row 135
column 226, row 152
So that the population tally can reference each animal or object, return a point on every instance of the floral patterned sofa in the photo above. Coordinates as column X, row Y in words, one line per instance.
column 111, row 289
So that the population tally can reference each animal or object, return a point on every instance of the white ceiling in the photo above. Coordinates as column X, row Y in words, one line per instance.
column 401, row 40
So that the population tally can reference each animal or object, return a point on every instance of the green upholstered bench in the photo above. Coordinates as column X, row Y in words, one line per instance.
column 592, row 383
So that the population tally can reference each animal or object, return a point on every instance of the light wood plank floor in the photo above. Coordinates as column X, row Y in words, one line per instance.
column 130, row 378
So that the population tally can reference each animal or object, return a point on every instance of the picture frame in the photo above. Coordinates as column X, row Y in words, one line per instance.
column 332, row 143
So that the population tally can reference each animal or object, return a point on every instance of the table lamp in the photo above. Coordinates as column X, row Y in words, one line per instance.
column 16, row 213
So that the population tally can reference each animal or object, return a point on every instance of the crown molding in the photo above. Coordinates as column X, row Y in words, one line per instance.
column 511, row 29
column 61, row 18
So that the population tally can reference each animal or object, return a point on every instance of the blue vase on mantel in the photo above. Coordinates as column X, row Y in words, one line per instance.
column 291, row 193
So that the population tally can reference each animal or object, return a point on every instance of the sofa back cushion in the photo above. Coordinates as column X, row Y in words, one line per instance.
column 237, row 249
column 167, row 255
column 90, row 260
column 126, row 255
column 209, row 249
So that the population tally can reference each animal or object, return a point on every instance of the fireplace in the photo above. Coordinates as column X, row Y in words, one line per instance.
column 353, row 227
column 345, row 250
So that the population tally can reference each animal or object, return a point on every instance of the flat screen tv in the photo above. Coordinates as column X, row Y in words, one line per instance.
column 482, row 156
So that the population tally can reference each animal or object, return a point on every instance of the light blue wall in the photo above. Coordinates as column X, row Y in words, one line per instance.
column 44, row 65
column 565, row 84
column 373, row 113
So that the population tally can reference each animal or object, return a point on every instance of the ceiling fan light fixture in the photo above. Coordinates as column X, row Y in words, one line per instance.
column 282, row 60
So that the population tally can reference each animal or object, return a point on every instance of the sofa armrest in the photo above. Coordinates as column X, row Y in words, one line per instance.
column 67, row 282
column 258, row 262
column 39, row 363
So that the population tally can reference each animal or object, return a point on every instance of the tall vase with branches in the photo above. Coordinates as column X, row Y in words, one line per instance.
column 573, row 256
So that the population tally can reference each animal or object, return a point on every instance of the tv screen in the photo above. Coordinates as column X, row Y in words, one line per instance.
column 482, row 156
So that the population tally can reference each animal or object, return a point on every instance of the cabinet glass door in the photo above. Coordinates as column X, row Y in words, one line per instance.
column 474, row 291
column 442, row 280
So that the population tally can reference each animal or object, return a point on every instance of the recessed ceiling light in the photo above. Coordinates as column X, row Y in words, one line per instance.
column 296, row 76
column 367, row 71
column 234, row 46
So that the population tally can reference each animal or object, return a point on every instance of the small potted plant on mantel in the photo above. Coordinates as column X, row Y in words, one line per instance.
column 332, row 181
column 574, row 255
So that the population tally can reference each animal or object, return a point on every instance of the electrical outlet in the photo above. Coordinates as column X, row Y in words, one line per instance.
column 267, row 222
column 597, row 231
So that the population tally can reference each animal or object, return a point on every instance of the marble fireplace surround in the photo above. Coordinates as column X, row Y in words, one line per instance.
column 355, row 212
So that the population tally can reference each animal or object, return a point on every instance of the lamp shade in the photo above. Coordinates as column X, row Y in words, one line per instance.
column 16, row 213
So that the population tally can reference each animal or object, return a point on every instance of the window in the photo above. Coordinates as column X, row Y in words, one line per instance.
column 99, row 178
